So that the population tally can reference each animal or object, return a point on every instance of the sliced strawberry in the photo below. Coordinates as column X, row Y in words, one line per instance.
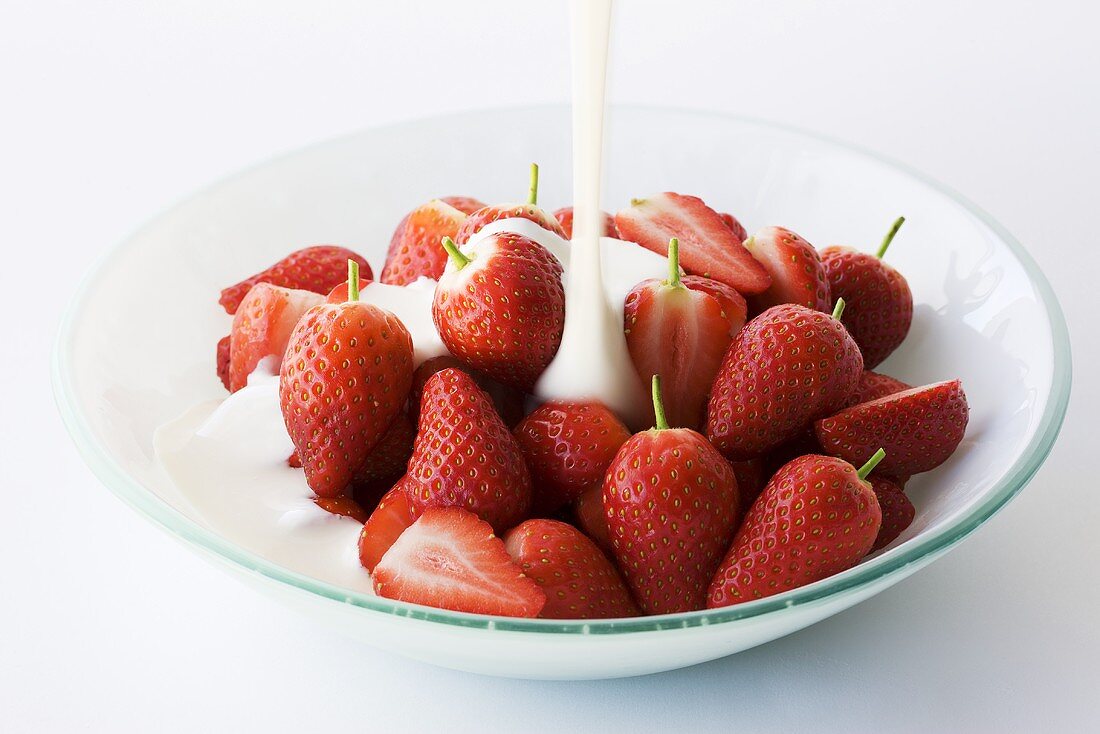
column 450, row 559
column 873, row 386
column 680, row 329
column 568, row 447
column 795, row 269
column 223, row 359
column 918, row 428
column 897, row 510
column 565, row 219
column 508, row 401
column 262, row 327
column 735, row 226
column 393, row 515
column 344, row 506
column 315, row 269
column 591, row 518
column 414, row 248
column 580, row 582
column 707, row 245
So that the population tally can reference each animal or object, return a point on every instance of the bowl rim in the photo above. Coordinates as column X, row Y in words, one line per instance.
column 922, row 548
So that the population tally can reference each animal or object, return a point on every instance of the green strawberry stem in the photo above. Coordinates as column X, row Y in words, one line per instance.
column 353, row 280
column 838, row 309
column 533, row 190
column 455, row 254
column 673, row 263
column 659, row 405
column 871, row 463
column 889, row 237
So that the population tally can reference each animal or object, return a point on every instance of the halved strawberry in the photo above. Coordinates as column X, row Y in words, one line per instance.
column 450, row 559
column 565, row 219
column 262, row 327
column 414, row 248
column 478, row 219
column 223, row 359
column 897, row 511
column 315, row 269
column 707, row 245
column 343, row 506
column 795, row 269
column 680, row 329
column 918, row 428
column 873, row 385
column 393, row 515
column 580, row 582
column 735, row 226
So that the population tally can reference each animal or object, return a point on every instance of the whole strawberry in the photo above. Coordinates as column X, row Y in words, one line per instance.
column 414, row 248
column 679, row 328
column 501, row 308
column 565, row 219
column 580, row 582
column 509, row 402
column 672, row 507
column 315, row 269
column 880, row 304
column 344, row 378
column 530, row 210
column 568, row 447
column 787, row 367
column 795, row 268
column 465, row 456
column 815, row 518
column 897, row 511
column 919, row 428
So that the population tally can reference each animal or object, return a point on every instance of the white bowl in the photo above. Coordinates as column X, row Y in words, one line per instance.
column 136, row 347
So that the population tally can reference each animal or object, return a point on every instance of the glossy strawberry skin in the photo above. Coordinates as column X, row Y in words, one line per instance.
column 735, row 226
column 873, row 385
column 879, row 308
column 580, row 582
column 897, row 510
column 503, row 313
column 795, row 268
column 671, row 505
column 450, row 559
column 415, row 250
column 489, row 214
column 223, row 358
column 919, row 428
column 465, row 456
column 343, row 506
column 262, row 327
column 787, row 367
column 345, row 376
column 565, row 219
column 508, row 401
column 568, row 447
column 315, row 269
column 708, row 247
column 814, row 519
column 590, row 517
column 681, row 333
column 393, row 515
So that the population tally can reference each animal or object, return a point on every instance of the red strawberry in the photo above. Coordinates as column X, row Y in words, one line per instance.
column 578, row 579
column 394, row 514
column 817, row 517
column 568, row 447
column 880, row 304
column 735, row 226
column 680, row 329
column 223, row 359
column 316, row 269
column 752, row 476
column 565, row 219
column 919, row 428
column 414, row 248
column 873, row 386
column 897, row 511
column 344, row 506
column 387, row 461
column 501, row 309
column 708, row 246
column 489, row 214
column 787, row 367
column 262, row 327
column 509, row 402
column 590, row 517
column 672, row 508
column 450, row 559
column 795, row 268
column 345, row 377
column 465, row 456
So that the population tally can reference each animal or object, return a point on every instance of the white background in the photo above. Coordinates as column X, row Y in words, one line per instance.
column 110, row 111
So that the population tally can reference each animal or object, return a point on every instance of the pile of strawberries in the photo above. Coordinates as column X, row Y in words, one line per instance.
column 776, row 457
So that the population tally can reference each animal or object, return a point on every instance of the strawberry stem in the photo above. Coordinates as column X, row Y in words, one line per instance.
column 533, row 189
column 871, row 463
column 889, row 237
column 353, row 280
column 838, row 309
column 659, row 405
column 673, row 263
column 455, row 254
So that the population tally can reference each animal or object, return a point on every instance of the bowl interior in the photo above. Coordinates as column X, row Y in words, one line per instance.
column 137, row 348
